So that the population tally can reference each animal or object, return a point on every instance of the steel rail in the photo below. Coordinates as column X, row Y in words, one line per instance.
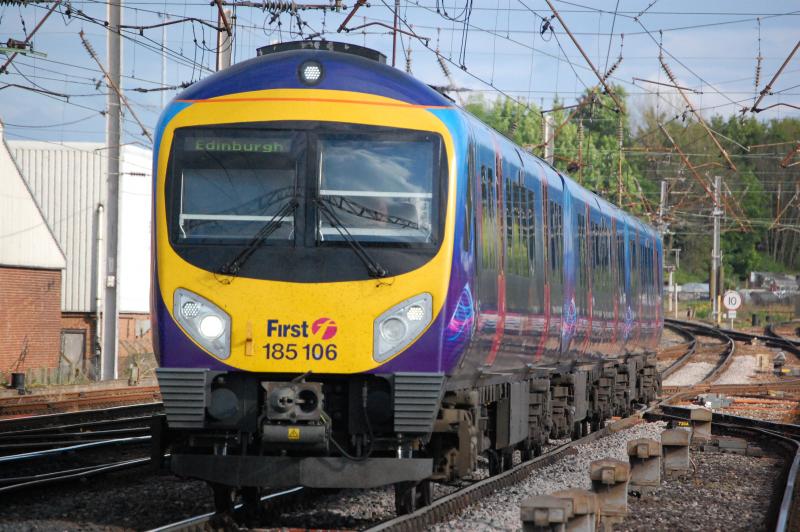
column 62, row 476
column 707, row 330
column 759, row 387
column 782, row 342
column 198, row 522
column 51, row 420
column 684, row 358
column 79, row 437
column 70, row 448
column 60, row 429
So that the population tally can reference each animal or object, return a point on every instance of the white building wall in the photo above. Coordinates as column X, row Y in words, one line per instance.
column 136, row 187
column 68, row 181
column 25, row 238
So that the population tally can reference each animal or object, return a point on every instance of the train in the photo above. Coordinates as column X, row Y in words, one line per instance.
column 356, row 283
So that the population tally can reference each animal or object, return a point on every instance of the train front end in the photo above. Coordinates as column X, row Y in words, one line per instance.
column 304, row 241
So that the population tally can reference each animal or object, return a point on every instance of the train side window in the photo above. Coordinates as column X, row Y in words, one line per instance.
column 509, row 193
column 468, row 211
column 581, row 233
column 554, row 215
column 531, row 216
column 492, row 213
column 522, row 236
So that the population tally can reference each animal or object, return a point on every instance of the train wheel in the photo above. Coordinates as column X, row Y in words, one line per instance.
column 495, row 462
column 537, row 449
column 576, row 430
column 508, row 459
column 251, row 499
column 423, row 494
column 526, row 451
column 405, row 497
column 223, row 498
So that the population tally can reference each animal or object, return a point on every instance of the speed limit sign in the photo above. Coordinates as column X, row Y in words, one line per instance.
column 732, row 300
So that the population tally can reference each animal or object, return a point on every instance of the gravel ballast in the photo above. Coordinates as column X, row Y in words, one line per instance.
column 690, row 374
column 740, row 371
column 500, row 511
column 727, row 492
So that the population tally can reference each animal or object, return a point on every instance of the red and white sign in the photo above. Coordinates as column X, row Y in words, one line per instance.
column 732, row 300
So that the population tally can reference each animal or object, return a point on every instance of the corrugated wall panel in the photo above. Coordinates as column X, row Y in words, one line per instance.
column 25, row 239
column 68, row 181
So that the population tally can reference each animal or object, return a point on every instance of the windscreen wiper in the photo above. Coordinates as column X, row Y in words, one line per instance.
column 373, row 267
column 233, row 266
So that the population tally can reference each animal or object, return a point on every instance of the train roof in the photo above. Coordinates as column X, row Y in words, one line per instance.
column 344, row 68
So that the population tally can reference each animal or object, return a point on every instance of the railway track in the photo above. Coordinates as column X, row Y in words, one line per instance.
column 26, row 405
column 691, row 330
column 62, row 429
column 685, row 350
column 29, row 445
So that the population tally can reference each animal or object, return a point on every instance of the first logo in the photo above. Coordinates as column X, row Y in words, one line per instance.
column 326, row 326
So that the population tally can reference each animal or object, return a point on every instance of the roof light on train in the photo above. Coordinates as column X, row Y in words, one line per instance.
column 311, row 72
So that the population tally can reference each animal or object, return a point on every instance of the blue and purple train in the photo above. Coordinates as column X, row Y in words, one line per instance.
column 356, row 283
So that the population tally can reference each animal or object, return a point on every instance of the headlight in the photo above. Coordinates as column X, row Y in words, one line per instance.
column 401, row 325
column 205, row 322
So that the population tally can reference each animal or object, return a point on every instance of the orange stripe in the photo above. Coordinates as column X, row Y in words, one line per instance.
column 324, row 100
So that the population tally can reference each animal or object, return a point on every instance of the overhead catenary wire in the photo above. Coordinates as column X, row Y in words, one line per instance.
column 114, row 86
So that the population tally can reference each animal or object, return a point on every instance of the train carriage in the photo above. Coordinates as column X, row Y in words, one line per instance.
column 356, row 283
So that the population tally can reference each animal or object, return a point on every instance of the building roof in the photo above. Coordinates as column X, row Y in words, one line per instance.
column 26, row 240
column 69, row 182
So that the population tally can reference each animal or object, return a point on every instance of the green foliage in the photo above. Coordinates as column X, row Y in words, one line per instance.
column 591, row 155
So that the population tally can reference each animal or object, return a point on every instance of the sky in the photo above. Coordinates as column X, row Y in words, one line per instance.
column 493, row 48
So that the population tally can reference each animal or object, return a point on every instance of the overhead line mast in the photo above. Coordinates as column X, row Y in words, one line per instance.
column 586, row 57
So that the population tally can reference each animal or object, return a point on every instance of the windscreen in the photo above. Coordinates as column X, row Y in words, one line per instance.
column 379, row 189
column 234, row 182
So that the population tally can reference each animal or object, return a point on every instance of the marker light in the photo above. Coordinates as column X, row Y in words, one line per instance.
column 311, row 72
column 205, row 322
column 190, row 309
column 396, row 328
column 415, row 313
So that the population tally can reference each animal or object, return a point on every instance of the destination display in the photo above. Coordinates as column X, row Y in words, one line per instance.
column 238, row 144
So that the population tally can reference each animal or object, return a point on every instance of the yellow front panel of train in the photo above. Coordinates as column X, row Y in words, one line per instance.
column 299, row 327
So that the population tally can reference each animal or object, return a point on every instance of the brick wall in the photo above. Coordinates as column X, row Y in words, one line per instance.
column 30, row 315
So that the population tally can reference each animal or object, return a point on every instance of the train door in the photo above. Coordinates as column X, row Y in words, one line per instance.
column 598, row 284
column 658, row 271
column 553, row 194
column 626, row 307
column 617, row 257
column 539, row 298
column 489, row 252
column 572, row 207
